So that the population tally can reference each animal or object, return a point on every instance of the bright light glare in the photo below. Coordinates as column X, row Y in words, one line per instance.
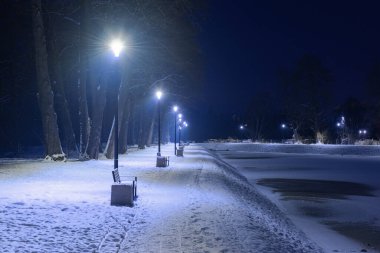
column 241, row 127
column 283, row 125
column 180, row 116
column 116, row 47
column 338, row 124
column 175, row 108
column 159, row 94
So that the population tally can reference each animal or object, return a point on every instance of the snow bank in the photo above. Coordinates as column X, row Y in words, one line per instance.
column 298, row 148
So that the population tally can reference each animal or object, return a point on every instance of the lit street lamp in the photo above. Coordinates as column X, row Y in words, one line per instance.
column 175, row 109
column 159, row 95
column 116, row 47
column 283, row 128
column 341, row 125
column 184, row 124
column 362, row 133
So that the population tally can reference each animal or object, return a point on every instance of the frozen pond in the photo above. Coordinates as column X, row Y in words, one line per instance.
column 331, row 192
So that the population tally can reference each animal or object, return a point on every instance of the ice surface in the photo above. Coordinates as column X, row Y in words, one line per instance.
column 324, row 189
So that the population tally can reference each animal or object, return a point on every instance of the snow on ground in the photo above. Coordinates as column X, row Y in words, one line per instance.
column 334, row 199
column 197, row 204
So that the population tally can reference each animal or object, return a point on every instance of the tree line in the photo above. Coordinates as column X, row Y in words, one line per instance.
column 78, row 81
column 304, row 109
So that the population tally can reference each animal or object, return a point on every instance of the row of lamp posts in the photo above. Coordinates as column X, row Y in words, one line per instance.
column 117, row 47
column 178, row 123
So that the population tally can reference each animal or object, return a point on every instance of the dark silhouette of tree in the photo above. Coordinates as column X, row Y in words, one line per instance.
column 306, row 92
column 260, row 116
column 355, row 117
column 45, row 93
column 373, row 88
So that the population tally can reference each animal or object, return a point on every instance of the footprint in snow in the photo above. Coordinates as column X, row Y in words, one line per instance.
column 18, row 203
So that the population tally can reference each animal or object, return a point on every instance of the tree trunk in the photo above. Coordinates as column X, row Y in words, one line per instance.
column 151, row 129
column 98, row 105
column 140, row 134
column 123, row 144
column 84, row 122
column 45, row 94
column 64, row 117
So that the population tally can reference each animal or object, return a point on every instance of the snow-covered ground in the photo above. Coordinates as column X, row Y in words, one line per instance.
column 331, row 192
column 197, row 204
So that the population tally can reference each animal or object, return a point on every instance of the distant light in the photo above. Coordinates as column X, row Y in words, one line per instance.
column 175, row 108
column 241, row 127
column 180, row 120
column 360, row 131
column 159, row 94
column 180, row 116
column 185, row 123
column 338, row 124
column 283, row 125
column 364, row 131
column 116, row 47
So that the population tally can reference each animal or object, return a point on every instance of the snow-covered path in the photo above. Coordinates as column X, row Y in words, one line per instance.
column 195, row 205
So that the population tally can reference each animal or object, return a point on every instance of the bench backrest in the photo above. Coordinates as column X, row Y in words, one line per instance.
column 116, row 176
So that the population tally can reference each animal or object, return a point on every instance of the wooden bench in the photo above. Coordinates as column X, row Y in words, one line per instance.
column 117, row 179
column 162, row 161
column 180, row 151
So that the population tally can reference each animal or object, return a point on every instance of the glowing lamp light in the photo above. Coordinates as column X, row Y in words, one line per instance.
column 283, row 125
column 241, row 127
column 338, row 124
column 159, row 94
column 175, row 108
column 116, row 47
column 180, row 116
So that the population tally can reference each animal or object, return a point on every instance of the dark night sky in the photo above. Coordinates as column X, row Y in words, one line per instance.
column 246, row 42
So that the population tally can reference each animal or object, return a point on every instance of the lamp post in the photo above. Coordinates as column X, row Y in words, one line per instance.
column 362, row 133
column 175, row 109
column 116, row 47
column 159, row 95
column 341, row 125
column 283, row 128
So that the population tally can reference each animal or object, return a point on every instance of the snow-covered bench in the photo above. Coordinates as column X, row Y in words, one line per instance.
column 123, row 191
column 162, row 161
column 180, row 151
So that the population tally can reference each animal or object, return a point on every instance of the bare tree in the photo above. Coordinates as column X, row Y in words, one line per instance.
column 45, row 93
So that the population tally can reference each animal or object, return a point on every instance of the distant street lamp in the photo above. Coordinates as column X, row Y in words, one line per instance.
column 175, row 109
column 116, row 46
column 184, row 124
column 362, row 133
column 283, row 128
column 341, row 125
column 159, row 95
column 241, row 127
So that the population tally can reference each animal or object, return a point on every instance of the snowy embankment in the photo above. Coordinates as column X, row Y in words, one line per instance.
column 198, row 204
column 321, row 149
